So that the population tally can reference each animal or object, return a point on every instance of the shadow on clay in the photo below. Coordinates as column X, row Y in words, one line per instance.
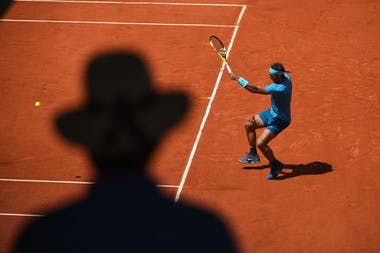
column 295, row 170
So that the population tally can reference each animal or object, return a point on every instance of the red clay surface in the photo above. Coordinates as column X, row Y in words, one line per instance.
column 328, row 198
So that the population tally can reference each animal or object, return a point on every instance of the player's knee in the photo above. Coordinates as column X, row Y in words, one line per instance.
column 250, row 125
column 261, row 144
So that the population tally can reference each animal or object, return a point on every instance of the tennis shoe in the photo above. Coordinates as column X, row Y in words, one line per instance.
column 275, row 169
column 250, row 159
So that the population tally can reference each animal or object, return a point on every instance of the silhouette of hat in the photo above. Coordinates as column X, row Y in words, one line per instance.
column 123, row 116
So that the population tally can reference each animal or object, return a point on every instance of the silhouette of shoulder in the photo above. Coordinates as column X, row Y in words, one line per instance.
column 127, row 217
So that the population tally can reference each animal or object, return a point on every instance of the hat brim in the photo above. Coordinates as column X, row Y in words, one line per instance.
column 90, row 127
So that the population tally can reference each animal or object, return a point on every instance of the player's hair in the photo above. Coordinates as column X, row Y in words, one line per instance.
column 278, row 66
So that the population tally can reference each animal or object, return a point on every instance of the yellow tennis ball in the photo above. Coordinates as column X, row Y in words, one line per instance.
column 37, row 104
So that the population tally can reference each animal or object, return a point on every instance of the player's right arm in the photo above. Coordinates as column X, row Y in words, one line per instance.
column 248, row 86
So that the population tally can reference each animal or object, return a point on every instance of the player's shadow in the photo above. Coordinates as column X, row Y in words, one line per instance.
column 295, row 170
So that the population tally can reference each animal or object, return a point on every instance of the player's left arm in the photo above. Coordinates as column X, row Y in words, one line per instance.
column 248, row 86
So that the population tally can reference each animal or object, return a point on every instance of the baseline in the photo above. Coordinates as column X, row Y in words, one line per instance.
column 65, row 182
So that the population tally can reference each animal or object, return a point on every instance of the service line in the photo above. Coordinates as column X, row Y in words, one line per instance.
column 111, row 23
column 132, row 3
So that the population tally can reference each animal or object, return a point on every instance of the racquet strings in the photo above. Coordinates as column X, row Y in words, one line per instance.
column 217, row 44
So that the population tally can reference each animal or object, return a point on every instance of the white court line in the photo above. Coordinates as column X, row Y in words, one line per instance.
column 21, row 214
column 132, row 3
column 241, row 14
column 111, row 23
column 55, row 182
column 64, row 182
column 216, row 86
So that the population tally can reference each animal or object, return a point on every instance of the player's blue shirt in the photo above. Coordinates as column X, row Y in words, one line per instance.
column 281, row 96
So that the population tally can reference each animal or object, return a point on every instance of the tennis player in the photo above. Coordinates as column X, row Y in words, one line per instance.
column 275, row 119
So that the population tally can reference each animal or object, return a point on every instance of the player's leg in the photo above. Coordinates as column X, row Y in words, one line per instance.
column 262, row 143
column 250, row 128
column 270, row 132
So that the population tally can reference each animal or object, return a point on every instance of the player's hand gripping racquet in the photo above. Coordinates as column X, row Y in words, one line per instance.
column 220, row 50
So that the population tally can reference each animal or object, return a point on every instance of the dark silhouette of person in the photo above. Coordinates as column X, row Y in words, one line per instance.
column 4, row 5
column 120, row 125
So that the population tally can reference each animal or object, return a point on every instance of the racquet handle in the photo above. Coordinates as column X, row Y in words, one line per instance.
column 228, row 68
column 225, row 62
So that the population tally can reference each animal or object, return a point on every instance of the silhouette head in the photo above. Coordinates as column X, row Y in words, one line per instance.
column 123, row 118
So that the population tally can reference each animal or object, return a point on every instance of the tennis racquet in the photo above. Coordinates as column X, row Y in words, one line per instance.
column 220, row 50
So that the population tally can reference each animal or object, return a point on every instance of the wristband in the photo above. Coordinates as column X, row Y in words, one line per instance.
column 242, row 82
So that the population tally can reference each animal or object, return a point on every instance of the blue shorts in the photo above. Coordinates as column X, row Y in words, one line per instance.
column 275, row 125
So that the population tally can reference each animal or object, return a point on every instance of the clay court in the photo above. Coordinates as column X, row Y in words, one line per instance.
column 328, row 197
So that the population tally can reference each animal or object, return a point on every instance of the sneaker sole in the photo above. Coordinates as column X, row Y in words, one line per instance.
column 248, row 162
